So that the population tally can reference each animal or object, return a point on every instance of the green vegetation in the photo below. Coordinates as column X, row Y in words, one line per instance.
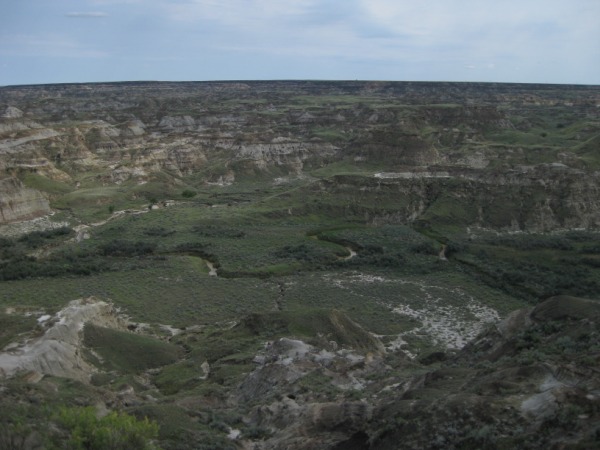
column 45, row 184
column 118, row 431
column 188, row 193
column 13, row 325
column 44, row 415
column 533, row 265
column 129, row 352
column 346, row 215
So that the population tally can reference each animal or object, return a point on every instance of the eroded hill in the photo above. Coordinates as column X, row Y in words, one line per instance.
column 302, row 264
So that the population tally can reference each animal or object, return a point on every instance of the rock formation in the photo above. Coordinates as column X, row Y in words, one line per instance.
column 480, row 135
column 18, row 203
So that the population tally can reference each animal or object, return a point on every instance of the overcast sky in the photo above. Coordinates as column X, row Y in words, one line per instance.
column 532, row 41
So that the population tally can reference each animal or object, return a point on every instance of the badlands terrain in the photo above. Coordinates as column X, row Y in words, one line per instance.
column 299, row 265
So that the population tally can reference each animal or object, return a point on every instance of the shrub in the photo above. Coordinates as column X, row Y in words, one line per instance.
column 127, row 248
column 38, row 238
column 188, row 193
column 424, row 248
column 158, row 232
column 218, row 231
column 117, row 431
column 256, row 433
column 301, row 252
column 129, row 352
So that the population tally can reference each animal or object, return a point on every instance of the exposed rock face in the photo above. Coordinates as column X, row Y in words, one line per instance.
column 481, row 136
column 12, row 113
column 534, row 394
column 185, row 123
column 537, row 199
column 19, row 203
column 290, row 155
column 297, row 418
column 58, row 351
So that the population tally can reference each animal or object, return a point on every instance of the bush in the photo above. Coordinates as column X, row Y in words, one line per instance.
column 188, row 193
column 158, row 232
column 127, row 248
column 424, row 248
column 302, row 252
column 218, row 231
column 533, row 241
column 18, row 266
column 256, row 433
column 115, row 431
column 129, row 352
column 38, row 238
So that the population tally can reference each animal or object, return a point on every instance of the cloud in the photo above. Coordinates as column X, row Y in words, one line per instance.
column 493, row 25
column 529, row 33
column 385, row 39
column 87, row 15
column 244, row 13
column 47, row 45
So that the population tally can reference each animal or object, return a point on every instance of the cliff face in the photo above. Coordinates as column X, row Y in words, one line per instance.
column 535, row 199
column 536, row 146
column 20, row 203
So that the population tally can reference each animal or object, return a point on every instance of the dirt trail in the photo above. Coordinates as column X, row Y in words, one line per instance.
column 81, row 230
column 351, row 255
column 442, row 254
column 280, row 295
column 212, row 270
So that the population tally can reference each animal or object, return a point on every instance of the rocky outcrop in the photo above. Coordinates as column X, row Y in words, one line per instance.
column 12, row 113
column 282, row 153
column 179, row 123
column 294, row 415
column 512, row 385
column 540, row 198
column 58, row 351
column 516, row 379
column 502, row 172
column 19, row 203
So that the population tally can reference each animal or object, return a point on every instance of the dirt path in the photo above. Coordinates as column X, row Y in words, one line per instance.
column 442, row 254
column 82, row 230
column 212, row 270
column 351, row 255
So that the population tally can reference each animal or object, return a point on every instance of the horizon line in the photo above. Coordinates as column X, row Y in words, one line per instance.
column 283, row 80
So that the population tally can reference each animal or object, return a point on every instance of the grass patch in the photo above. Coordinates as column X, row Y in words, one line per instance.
column 13, row 325
column 128, row 352
column 45, row 184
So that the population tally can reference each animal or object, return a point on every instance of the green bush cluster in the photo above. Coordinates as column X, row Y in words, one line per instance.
column 188, row 193
column 115, row 431
column 19, row 266
column 124, row 248
column 16, row 262
column 158, row 232
column 129, row 352
column 424, row 248
column 373, row 256
column 38, row 238
column 302, row 252
column 533, row 241
column 218, row 231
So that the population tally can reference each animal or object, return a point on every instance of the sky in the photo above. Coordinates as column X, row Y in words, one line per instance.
column 529, row 41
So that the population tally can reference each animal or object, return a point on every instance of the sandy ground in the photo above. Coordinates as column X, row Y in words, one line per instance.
column 447, row 325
